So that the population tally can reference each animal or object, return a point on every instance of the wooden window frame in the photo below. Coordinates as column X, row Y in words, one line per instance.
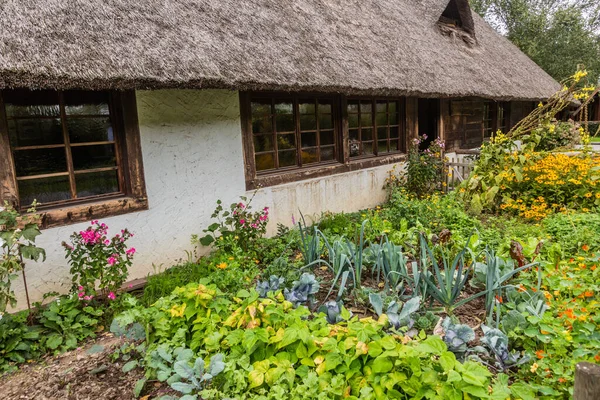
column 132, row 196
column 342, row 163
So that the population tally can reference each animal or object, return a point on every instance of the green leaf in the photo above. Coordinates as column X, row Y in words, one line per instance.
column 433, row 345
column 454, row 376
column 522, row 391
column 185, row 388
column 54, row 341
column 382, row 365
column 206, row 240
column 447, row 361
column 130, row 366
column 139, row 386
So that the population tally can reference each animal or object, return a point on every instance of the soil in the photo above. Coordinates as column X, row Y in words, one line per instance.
column 82, row 374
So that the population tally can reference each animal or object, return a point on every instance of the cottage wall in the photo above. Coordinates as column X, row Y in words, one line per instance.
column 192, row 150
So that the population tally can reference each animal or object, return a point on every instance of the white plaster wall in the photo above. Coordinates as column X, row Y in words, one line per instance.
column 192, row 150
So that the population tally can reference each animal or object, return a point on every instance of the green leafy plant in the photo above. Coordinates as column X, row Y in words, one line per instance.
column 335, row 312
column 311, row 245
column 457, row 337
column 272, row 285
column 497, row 342
column 303, row 290
column 396, row 318
column 195, row 375
column 19, row 342
column 17, row 242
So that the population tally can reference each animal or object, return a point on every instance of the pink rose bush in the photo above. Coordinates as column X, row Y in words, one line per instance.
column 98, row 261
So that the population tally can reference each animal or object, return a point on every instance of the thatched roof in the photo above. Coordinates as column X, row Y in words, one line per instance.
column 378, row 47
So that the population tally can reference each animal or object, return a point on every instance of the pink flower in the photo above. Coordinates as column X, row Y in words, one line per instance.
column 242, row 221
column 80, row 294
column 106, row 242
column 293, row 220
column 111, row 260
column 241, row 205
column 80, row 287
column 130, row 251
column 88, row 298
column 111, row 296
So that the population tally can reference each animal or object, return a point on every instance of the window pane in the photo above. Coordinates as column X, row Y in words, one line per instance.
column 44, row 190
column 382, row 147
column 260, row 108
column 287, row 158
column 263, row 143
column 381, row 119
column 307, row 107
column 354, row 147
column 285, row 123
column 367, row 148
column 395, row 145
column 393, row 119
column 366, row 119
column 352, row 107
column 86, row 103
column 327, row 138
column 34, row 132
column 96, row 183
column 325, row 121
column 90, row 130
column 264, row 161
column 262, row 124
column 42, row 161
column 393, row 107
column 308, row 122
column 353, row 121
column 394, row 132
column 309, row 156
column 366, row 107
column 327, row 153
column 353, row 133
column 324, row 107
column 286, row 141
column 26, row 103
column 381, row 133
column 89, row 157
column 367, row 134
column 309, row 139
column 381, row 106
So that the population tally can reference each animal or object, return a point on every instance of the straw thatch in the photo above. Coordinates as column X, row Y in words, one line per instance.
column 378, row 47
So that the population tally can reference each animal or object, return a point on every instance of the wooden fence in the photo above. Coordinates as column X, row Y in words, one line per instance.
column 457, row 170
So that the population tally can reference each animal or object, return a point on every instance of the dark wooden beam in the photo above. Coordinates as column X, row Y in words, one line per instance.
column 8, row 182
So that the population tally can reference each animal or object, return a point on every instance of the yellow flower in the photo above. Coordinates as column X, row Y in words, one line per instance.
column 534, row 367
column 222, row 265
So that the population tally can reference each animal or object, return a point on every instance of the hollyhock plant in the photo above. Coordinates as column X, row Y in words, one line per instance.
column 98, row 261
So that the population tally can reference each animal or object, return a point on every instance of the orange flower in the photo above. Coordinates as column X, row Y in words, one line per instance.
column 585, row 247
column 562, row 380
column 499, row 299
column 540, row 354
column 543, row 332
column 222, row 265
column 593, row 268
column 597, row 357
column 588, row 293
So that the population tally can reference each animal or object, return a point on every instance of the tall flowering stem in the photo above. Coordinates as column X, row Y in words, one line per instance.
column 97, row 261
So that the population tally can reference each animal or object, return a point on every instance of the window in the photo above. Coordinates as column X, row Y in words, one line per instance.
column 374, row 127
column 292, row 132
column 289, row 137
column 70, row 147
column 488, row 118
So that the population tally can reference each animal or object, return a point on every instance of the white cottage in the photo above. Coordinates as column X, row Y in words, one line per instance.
column 144, row 113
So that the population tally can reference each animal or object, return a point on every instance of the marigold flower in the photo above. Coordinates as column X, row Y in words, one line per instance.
column 585, row 247
column 540, row 354
column 222, row 265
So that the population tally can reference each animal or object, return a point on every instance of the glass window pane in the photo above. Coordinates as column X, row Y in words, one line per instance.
column 393, row 107
column 382, row 133
column 393, row 119
column 41, row 161
column 324, row 107
column 353, row 120
column 352, row 107
column 287, row 158
column 306, row 107
column 264, row 161
column 90, row 130
column 309, row 139
column 308, row 122
column 366, row 134
column 285, row 123
column 381, row 119
column 260, row 108
column 34, row 132
column 381, row 107
column 366, row 119
column 262, row 124
column 327, row 137
column 96, row 183
column 286, row 141
column 44, row 190
column 325, row 121
column 366, row 107
column 284, row 107
column 86, row 103
column 327, row 153
column 395, row 145
column 394, row 132
column 89, row 157
column 367, row 148
column 353, row 133
column 382, row 147
column 263, row 143
column 309, row 156
column 31, row 103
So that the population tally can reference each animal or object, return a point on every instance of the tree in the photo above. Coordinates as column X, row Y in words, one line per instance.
column 558, row 35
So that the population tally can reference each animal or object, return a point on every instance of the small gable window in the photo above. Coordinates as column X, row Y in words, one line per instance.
column 458, row 15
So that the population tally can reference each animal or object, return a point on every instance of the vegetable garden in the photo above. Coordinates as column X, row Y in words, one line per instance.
column 488, row 292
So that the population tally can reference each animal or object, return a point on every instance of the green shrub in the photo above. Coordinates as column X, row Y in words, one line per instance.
column 572, row 231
